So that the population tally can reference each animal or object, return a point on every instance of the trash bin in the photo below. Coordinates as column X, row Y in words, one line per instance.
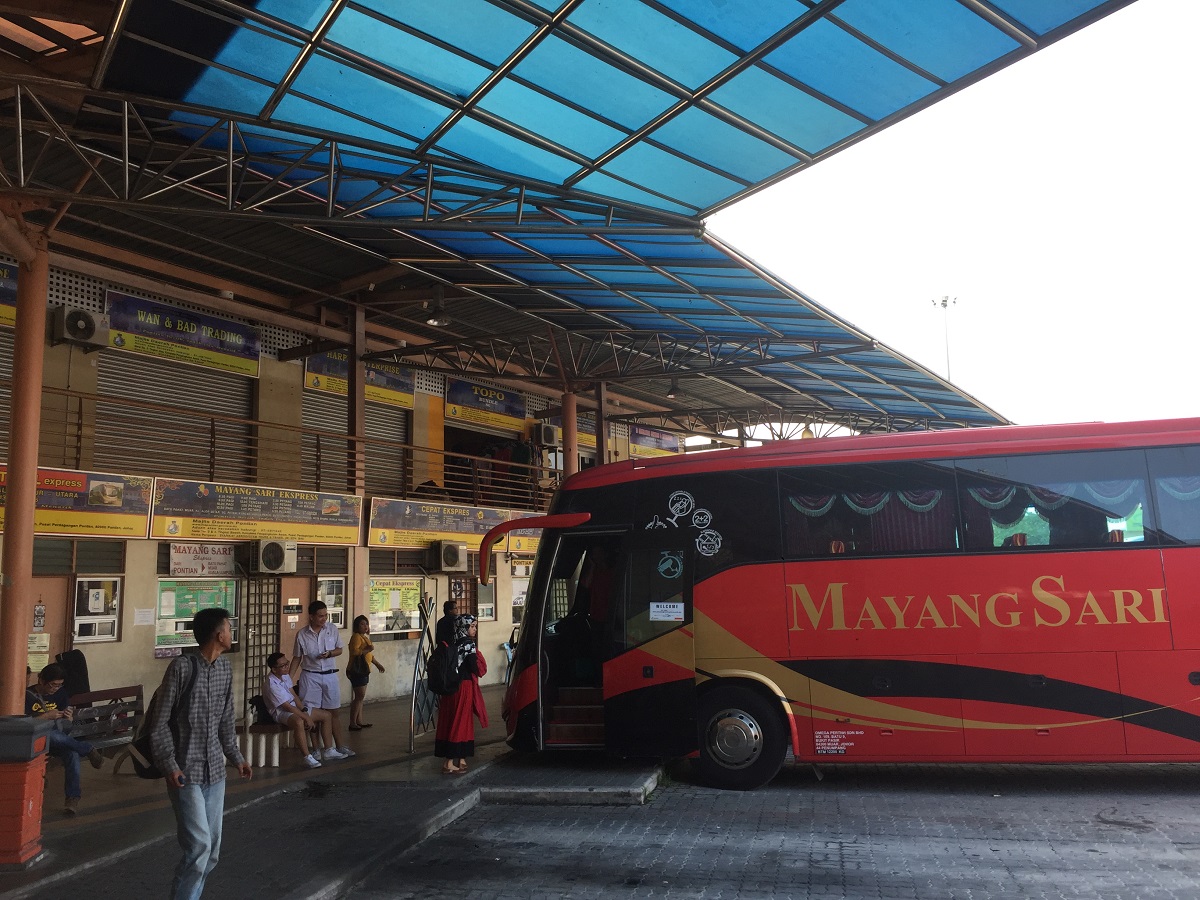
column 23, row 745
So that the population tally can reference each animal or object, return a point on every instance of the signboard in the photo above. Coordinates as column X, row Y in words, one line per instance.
column 206, row 510
column 524, row 540
column 385, row 383
column 489, row 406
column 8, row 296
column 415, row 523
column 393, row 604
column 179, row 601
column 202, row 560
column 585, row 430
column 87, row 504
column 645, row 441
column 167, row 332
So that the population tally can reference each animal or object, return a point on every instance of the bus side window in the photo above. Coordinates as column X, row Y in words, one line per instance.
column 869, row 510
column 1175, row 472
column 1058, row 500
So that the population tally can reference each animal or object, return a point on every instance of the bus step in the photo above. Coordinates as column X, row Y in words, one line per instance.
column 581, row 696
column 575, row 733
column 577, row 715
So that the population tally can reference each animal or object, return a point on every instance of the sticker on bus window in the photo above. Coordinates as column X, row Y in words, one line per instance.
column 666, row 612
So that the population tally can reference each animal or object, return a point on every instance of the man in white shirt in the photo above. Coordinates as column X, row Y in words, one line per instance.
column 282, row 703
column 319, row 687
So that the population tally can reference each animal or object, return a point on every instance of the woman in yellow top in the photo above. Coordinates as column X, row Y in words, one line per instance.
column 358, row 669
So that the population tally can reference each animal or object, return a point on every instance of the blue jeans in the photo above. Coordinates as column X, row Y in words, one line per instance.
column 198, row 812
column 69, row 750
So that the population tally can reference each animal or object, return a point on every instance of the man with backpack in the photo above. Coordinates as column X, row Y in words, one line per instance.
column 192, row 735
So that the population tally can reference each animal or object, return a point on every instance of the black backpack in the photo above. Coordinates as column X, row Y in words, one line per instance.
column 444, row 677
column 140, row 748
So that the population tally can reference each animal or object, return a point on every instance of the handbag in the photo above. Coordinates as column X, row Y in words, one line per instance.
column 357, row 667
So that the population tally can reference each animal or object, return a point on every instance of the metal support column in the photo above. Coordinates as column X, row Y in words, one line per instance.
column 570, row 435
column 16, row 603
column 601, row 424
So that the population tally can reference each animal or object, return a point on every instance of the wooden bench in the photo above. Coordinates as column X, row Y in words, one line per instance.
column 108, row 718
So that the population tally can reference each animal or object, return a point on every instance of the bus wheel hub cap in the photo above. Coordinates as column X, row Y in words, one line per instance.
column 734, row 738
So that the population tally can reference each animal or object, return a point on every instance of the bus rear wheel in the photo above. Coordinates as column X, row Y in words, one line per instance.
column 743, row 739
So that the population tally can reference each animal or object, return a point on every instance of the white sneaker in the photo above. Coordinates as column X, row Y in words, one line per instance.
column 312, row 762
column 333, row 753
column 346, row 752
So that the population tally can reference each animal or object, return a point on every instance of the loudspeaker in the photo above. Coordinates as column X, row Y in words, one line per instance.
column 547, row 435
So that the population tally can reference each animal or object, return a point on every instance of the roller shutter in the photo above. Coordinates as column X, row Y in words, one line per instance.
column 327, row 455
column 166, row 424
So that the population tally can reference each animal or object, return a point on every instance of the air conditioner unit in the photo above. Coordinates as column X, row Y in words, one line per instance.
column 450, row 556
column 275, row 557
column 79, row 326
column 547, row 435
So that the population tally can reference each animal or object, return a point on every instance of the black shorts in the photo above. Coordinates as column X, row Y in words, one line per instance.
column 359, row 680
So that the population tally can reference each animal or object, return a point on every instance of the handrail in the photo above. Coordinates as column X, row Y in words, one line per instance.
column 223, row 447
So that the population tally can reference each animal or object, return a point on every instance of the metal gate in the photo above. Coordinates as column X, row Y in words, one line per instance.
column 259, row 637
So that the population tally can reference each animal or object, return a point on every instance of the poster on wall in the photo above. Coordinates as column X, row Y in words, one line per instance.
column 481, row 405
column 71, row 503
column 206, row 510
column 645, row 441
column 167, row 332
column 413, row 523
column 385, row 383
column 393, row 604
column 179, row 600
column 8, row 294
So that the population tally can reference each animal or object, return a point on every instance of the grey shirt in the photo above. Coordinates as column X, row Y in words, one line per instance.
column 199, row 743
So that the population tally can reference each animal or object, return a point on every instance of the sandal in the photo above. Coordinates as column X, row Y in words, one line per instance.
column 356, row 728
column 365, row 724
column 448, row 769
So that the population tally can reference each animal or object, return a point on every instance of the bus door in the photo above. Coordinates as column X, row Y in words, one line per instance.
column 650, row 673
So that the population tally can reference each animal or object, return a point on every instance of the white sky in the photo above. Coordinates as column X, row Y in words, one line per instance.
column 1058, row 200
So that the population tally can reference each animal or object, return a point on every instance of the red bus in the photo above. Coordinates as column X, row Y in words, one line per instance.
column 1017, row 594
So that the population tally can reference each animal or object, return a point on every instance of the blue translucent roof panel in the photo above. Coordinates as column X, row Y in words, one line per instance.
column 645, row 34
column 838, row 64
column 406, row 52
column 644, row 114
column 942, row 37
column 474, row 27
column 677, row 106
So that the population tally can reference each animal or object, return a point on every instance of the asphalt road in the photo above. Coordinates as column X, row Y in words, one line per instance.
column 862, row 831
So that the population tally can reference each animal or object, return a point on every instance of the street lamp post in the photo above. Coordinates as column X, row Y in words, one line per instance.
column 945, row 303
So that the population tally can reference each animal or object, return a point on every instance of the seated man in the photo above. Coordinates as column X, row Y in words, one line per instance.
column 286, row 709
column 48, row 700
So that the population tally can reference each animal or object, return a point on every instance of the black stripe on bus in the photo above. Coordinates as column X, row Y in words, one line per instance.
column 882, row 678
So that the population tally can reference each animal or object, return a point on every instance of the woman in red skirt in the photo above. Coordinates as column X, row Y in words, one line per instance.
column 455, row 737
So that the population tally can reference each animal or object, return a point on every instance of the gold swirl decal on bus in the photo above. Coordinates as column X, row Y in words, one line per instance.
column 719, row 654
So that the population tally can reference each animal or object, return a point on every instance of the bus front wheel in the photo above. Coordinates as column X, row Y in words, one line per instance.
column 743, row 739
